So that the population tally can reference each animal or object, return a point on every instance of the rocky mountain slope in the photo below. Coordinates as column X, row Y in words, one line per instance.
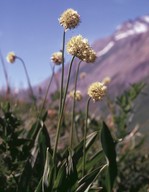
column 123, row 56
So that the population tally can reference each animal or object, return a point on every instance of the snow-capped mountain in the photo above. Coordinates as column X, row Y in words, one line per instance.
column 132, row 27
column 123, row 56
column 128, row 28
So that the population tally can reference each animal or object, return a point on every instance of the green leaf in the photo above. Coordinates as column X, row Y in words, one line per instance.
column 44, row 116
column 39, row 186
column 60, row 180
column 87, row 180
column 108, row 146
column 78, row 151
column 25, row 178
column 67, row 173
column 91, row 186
column 28, row 169
column 97, row 159
column 6, row 107
column 47, row 178
column 44, row 142
column 71, row 170
column 34, row 130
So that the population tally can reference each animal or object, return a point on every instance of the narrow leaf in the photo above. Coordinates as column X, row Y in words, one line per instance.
column 108, row 146
column 87, row 180
column 78, row 151
column 47, row 178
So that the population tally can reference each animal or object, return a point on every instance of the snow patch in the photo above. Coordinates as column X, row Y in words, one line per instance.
column 146, row 18
column 140, row 27
column 124, row 35
column 137, row 28
column 105, row 49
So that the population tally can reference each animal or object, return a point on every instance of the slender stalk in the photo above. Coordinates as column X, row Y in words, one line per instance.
column 44, row 101
column 55, row 78
column 85, row 134
column 62, row 75
column 5, row 74
column 28, row 79
column 62, row 110
column 47, row 91
column 73, row 107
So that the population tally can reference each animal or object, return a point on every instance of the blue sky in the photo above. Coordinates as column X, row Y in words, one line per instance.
column 30, row 28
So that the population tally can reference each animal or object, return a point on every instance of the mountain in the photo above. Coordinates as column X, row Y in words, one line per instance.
column 123, row 56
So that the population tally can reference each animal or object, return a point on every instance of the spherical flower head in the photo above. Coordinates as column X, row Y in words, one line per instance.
column 79, row 47
column 97, row 91
column 57, row 58
column 69, row 19
column 90, row 56
column 77, row 95
column 106, row 80
column 11, row 57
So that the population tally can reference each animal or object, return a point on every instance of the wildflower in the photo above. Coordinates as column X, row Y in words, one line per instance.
column 97, row 91
column 69, row 19
column 57, row 58
column 77, row 95
column 91, row 56
column 11, row 57
column 79, row 47
column 106, row 80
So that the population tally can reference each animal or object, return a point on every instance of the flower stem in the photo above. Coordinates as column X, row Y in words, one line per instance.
column 73, row 107
column 6, row 75
column 47, row 91
column 54, row 76
column 62, row 75
column 28, row 79
column 39, row 115
column 85, row 134
column 62, row 110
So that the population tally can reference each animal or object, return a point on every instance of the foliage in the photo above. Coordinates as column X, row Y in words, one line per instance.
column 126, row 108
column 26, row 157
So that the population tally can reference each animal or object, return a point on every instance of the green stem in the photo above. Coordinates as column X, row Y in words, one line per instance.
column 85, row 134
column 39, row 115
column 62, row 110
column 47, row 91
column 73, row 107
column 62, row 75
column 5, row 74
column 28, row 79
column 55, row 78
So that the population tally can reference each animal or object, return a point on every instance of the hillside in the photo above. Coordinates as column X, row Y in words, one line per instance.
column 123, row 56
